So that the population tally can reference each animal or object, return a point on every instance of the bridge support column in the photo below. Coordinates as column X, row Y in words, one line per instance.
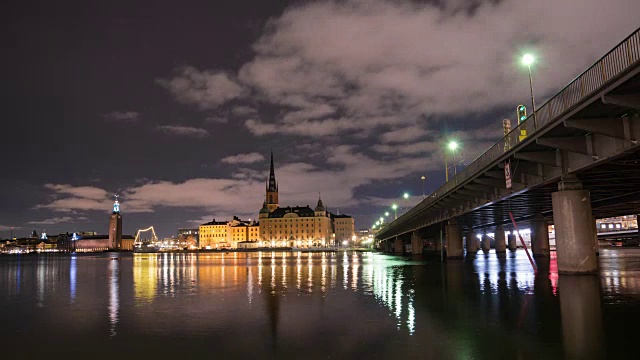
column 398, row 246
column 471, row 242
column 498, row 235
column 596, row 245
column 540, row 236
column 511, row 242
column 581, row 315
column 573, row 226
column 454, row 240
column 416, row 243
column 486, row 243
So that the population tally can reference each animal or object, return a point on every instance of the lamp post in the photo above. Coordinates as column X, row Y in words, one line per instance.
column 423, row 178
column 395, row 210
column 406, row 201
column 528, row 59
column 451, row 146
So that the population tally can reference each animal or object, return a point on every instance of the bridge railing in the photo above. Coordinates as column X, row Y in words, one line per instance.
column 614, row 63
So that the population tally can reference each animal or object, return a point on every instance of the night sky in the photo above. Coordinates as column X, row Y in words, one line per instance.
column 175, row 106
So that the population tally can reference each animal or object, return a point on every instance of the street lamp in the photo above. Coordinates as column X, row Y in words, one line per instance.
column 528, row 59
column 451, row 146
column 406, row 200
column 423, row 178
column 386, row 214
column 395, row 210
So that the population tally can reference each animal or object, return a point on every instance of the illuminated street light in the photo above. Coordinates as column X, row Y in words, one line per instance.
column 452, row 145
column 386, row 214
column 527, row 60
column 395, row 210
column 423, row 178
column 406, row 200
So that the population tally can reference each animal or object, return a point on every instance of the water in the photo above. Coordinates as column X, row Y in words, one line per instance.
column 316, row 305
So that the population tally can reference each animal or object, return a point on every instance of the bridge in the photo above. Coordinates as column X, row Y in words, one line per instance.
column 576, row 158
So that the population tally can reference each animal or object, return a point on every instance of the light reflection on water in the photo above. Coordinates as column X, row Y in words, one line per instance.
column 441, row 306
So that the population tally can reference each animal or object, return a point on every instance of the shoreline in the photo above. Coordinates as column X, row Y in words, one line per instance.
column 204, row 251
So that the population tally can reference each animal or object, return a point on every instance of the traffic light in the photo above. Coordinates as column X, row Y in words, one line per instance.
column 522, row 113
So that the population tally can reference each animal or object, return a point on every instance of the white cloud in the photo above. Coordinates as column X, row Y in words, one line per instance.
column 205, row 89
column 88, row 192
column 54, row 220
column 243, row 192
column 183, row 131
column 333, row 66
column 124, row 116
column 249, row 158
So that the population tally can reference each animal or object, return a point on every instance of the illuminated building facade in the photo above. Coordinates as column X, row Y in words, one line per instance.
column 227, row 234
column 299, row 226
column 92, row 242
column 344, row 228
column 115, row 227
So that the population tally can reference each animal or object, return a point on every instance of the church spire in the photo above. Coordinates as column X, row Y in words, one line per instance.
column 273, row 186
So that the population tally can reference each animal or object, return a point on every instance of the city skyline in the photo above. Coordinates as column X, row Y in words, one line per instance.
column 177, row 109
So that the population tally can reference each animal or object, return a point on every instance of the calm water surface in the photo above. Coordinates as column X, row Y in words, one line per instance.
column 317, row 305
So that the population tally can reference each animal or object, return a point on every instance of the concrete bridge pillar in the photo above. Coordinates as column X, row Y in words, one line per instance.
column 437, row 244
column 486, row 243
column 388, row 245
column 471, row 242
column 581, row 315
column 596, row 245
column 540, row 236
column 416, row 243
column 512, row 243
column 398, row 246
column 573, row 219
column 454, row 240
column 498, row 235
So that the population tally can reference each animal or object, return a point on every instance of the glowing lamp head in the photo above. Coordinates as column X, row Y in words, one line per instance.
column 394, row 206
column 528, row 59
column 381, row 220
column 453, row 145
column 386, row 213
column 405, row 195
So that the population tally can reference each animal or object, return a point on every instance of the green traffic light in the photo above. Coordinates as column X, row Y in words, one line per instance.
column 523, row 117
column 521, row 108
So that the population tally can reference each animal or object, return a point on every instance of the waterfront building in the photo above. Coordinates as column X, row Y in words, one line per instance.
column 92, row 242
column 227, row 234
column 298, row 226
column 344, row 228
column 190, row 236
column 213, row 235
column 115, row 227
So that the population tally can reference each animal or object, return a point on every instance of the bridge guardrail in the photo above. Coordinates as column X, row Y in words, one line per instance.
column 616, row 61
